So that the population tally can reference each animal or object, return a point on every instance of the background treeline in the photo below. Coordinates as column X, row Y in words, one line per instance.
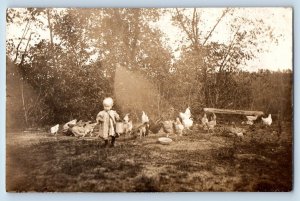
column 66, row 77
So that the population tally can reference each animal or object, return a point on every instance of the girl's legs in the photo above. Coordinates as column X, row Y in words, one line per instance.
column 113, row 139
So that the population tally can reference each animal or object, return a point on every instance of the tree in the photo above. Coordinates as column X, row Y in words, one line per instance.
column 75, row 69
column 214, row 62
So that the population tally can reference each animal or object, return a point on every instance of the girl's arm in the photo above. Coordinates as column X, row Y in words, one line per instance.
column 100, row 117
column 117, row 117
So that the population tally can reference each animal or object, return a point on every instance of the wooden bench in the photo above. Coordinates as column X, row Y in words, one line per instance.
column 227, row 111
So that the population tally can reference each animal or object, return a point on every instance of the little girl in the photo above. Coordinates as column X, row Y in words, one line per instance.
column 107, row 118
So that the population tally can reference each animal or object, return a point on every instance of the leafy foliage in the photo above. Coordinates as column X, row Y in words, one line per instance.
column 73, row 71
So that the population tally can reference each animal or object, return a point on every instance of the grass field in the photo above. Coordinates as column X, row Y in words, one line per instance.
column 259, row 161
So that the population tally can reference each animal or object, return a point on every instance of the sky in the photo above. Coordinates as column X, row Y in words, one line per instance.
column 275, row 57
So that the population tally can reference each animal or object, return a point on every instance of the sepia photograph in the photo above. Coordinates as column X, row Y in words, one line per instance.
column 149, row 99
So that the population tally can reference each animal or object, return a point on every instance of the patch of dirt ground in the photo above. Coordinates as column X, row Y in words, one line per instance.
column 197, row 161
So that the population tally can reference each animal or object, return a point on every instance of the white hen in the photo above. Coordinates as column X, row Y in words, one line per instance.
column 186, row 114
column 251, row 118
column 267, row 121
column 66, row 126
column 54, row 129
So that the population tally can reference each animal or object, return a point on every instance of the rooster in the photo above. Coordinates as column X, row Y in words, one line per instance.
column 186, row 114
column 267, row 121
column 155, row 127
column 187, row 121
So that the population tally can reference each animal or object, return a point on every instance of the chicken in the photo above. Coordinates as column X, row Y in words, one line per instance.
column 126, row 118
column 267, row 121
column 78, row 131
column 214, row 117
column 249, row 122
column 88, row 128
column 178, row 127
column 128, row 127
column 81, row 129
column 186, row 114
column 127, row 124
column 204, row 120
column 66, row 126
column 168, row 127
column 212, row 123
column 251, row 118
column 79, row 123
column 54, row 129
column 143, row 130
column 187, row 121
column 155, row 127
column 237, row 131
column 145, row 118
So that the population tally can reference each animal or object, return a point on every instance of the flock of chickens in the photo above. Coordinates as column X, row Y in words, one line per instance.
column 76, row 128
column 182, row 124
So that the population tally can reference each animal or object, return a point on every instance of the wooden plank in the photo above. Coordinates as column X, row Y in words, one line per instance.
column 227, row 111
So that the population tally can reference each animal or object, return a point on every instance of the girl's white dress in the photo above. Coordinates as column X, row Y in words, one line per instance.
column 107, row 122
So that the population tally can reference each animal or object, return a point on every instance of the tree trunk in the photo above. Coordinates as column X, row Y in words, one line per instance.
column 23, row 102
column 51, row 36
column 206, row 92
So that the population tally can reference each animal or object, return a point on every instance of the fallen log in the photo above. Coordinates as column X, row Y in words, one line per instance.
column 227, row 111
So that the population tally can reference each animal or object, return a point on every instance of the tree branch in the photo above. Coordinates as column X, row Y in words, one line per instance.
column 23, row 36
column 25, row 51
column 229, row 48
column 214, row 27
column 184, row 27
